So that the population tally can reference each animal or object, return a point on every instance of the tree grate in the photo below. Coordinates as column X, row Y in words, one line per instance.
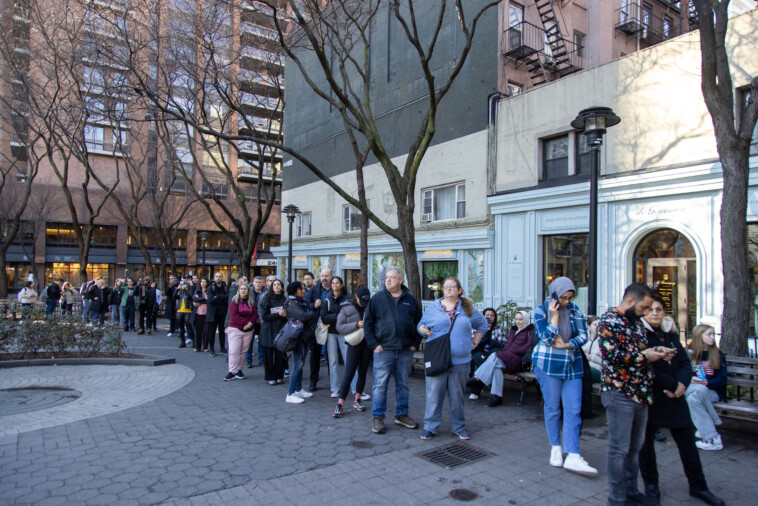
column 454, row 455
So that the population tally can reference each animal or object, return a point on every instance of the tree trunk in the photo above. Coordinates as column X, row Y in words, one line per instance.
column 408, row 243
column 4, row 276
column 735, row 325
column 364, row 250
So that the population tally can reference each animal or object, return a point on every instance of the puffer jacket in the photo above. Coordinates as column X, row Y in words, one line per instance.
column 348, row 318
column 330, row 310
column 297, row 309
column 517, row 345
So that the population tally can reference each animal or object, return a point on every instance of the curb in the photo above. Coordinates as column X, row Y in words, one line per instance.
column 144, row 360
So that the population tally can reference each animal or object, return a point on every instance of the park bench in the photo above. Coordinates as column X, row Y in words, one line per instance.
column 742, row 390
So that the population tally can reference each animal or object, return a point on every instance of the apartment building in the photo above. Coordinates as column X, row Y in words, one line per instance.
column 217, row 61
column 521, row 48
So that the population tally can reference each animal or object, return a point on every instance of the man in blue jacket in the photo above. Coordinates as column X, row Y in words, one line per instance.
column 389, row 327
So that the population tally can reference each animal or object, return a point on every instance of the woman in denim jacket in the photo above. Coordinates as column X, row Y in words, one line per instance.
column 557, row 363
column 456, row 315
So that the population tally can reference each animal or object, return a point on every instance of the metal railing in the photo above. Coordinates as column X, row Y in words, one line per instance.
column 528, row 42
column 639, row 22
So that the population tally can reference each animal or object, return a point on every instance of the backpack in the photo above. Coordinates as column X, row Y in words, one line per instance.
column 43, row 296
column 288, row 336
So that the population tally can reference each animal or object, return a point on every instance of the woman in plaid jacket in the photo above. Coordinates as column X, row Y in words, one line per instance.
column 557, row 362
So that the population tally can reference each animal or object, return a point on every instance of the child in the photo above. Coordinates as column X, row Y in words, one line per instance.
column 708, row 386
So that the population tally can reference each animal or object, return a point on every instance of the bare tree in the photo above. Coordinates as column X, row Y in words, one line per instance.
column 733, row 137
column 329, row 43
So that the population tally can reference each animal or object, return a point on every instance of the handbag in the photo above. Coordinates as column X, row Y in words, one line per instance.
column 354, row 338
column 322, row 329
column 286, row 339
column 437, row 354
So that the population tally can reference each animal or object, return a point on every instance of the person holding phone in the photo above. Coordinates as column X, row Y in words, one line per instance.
column 557, row 363
column 669, row 409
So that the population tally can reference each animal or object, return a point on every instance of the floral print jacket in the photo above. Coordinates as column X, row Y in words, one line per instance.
column 625, row 368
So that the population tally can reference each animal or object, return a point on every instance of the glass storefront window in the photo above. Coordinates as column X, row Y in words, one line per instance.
column 433, row 275
column 17, row 274
column 70, row 272
column 752, row 265
column 567, row 255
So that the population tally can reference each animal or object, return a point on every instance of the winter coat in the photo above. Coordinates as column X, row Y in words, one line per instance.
column 392, row 325
column 98, row 298
column 218, row 302
column 665, row 412
column 517, row 345
column 68, row 296
column 145, row 296
column 184, row 293
column 317, row 292
column 330, row 309
column 115, row 297
column 270, row 322
column 200, row 298
column 297, row 309
column 242, row 313
column 436, row 319
column 348, row 318
column 125, row 295
column 592, row 349
column 171, row 301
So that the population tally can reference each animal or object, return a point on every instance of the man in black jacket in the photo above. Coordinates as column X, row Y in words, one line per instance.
column 389, row 327
column 146, row 301
column 173, row 283
column 53, row 296
column 218, row 304
column 314, row 298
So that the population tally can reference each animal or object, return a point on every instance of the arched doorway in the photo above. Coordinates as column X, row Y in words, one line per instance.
column 665, row 260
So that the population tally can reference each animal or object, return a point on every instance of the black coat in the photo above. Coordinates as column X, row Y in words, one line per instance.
column 98, row 298
column 145, row 296
column 666, row 412
column 329, row 311
column 392, row 325
column 114, row 298
column 271, row 322
column 218, row 302
column 297, row 309
column 171, row 301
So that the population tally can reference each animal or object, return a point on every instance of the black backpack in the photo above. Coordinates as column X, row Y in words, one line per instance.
column 288, row 336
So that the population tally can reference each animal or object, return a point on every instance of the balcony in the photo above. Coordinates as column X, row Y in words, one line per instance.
column 249, row 173
column 540, row 51
column 638, row 21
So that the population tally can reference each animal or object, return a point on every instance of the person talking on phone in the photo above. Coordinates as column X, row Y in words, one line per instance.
column 557, row 363
column 669, row 409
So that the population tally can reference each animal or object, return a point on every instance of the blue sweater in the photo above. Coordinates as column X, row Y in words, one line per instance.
column 435, row 319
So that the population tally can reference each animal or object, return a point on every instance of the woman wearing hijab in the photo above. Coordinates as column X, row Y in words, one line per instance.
column 557, row 363
column 506, row 360
column 350, row 319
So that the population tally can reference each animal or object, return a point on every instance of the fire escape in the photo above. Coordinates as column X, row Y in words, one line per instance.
column 545, row 52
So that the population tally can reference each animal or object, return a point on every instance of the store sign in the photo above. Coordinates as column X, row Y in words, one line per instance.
column 439, row 254
column 300, row 261
column 65, row 258
column 269, row 262
column 660, row 210
column 565, row 219
column 351, row 260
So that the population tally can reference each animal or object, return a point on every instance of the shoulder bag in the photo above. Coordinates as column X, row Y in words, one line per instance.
column 322, row 329
column 437, row 354
column 354, row 338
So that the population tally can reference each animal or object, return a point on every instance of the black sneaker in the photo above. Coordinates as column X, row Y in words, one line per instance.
column 239, row 375
column 249, row 364
column 406, row 421
column 378, row 425
column 495, row 401
column 229, row 376
column 312, row 386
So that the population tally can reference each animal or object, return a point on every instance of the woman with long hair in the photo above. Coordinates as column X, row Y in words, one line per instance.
column 240, row 332
column 200, row 302
column 335, row 341
column 455, row 314
column 358, row 356
column 297, row 309
column 273, row 317
column 707, row 386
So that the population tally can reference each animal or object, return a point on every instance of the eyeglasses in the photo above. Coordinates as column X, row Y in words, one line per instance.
column 450, row 287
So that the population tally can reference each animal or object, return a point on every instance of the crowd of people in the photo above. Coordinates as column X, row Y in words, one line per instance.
column 648, row 380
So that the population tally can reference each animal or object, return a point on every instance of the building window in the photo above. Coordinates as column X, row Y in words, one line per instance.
column 744, row 98
column 63, row 234
column 303, row 223
column 567, row 255
column 351, row 218
column 515, row 18
column 434, row 274
column 443, row 203
column 555, row 155
column 513, row 89
column 583, row 154
column 667, row 24
column 579, row 41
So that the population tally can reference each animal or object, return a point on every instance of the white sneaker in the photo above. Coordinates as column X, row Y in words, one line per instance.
column 303, row 394
column 335, row 395
column 365, row 397
column 294, row 399
column 473, row 397
column 169, row 334
column 712, row 444
column 556, row 456
column 576, row 464
column 697, row 434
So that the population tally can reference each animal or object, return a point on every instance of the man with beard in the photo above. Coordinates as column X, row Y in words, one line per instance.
column 626, row 384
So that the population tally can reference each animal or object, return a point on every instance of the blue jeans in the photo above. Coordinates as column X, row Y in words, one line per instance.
column 296, row 373
column 52, row 304
column 115, row 314
column 453, row 382
column 627, row 421
column 128, row 317
column 85, row 310
column 555, row 391
column 386, row 364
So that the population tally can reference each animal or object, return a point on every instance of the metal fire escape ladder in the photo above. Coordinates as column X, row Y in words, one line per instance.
column 556, row 54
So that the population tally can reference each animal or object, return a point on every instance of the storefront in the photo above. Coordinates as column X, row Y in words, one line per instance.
column 657, row 228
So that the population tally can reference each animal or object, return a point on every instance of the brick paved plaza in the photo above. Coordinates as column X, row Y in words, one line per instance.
column 178, row 434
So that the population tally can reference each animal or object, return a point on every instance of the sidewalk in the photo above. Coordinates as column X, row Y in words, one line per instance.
column 215, row 442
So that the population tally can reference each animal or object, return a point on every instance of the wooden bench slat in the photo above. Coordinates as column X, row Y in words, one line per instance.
column 741, row 370
column 739, row 406
column 741, row 360
column 742, row 382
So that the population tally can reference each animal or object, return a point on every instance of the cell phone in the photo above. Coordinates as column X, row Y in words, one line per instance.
column 554, row 295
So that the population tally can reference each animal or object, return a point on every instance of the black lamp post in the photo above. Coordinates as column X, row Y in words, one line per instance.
column 291, row 211
column 593, row 122
column 203, row 241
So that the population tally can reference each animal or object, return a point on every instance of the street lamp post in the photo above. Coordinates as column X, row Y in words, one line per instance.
column 291, row 211
column 593, row 122
column 203, row 240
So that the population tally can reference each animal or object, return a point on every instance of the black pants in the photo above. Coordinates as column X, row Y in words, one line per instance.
column 201, row 341
column 182, row 323
column 274, row 364
column 315, row 360
column 145, row 318
column 688, row 453
column 211, row 330
column 358, row 358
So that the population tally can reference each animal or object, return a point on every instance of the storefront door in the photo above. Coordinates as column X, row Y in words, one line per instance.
column 669, row 279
